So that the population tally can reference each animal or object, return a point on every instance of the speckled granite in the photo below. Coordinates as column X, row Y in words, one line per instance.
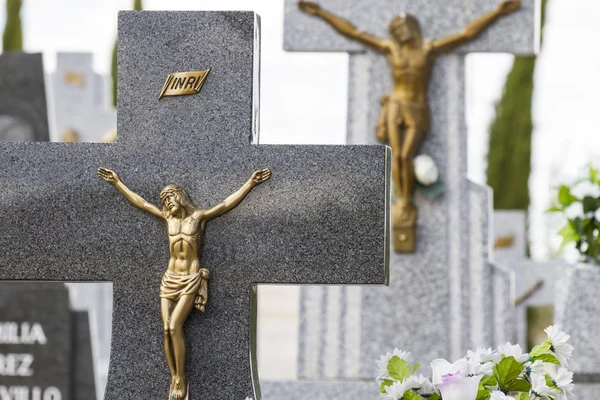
column 450, row 320
column 578, row 314
column 23, row 111
column 321, row 219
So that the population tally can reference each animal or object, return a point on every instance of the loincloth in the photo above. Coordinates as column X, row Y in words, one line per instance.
column 410, row 115
column 173, row 287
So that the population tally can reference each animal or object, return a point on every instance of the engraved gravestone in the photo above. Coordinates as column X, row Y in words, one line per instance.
column 79, row 98
column 23, row 112
column 45, row 349
column 324, row 209
column 441, row 281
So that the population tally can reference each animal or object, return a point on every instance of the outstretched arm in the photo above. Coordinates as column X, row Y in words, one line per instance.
column 137, row 200
column 344, row 27
column 232, row 201
column 475, row 28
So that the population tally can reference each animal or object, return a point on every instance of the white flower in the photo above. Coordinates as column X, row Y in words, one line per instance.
column 498, row 395
column 479, row 368
column 563, row 381
column 560, row 348
column 586, row 188
column 597, row 215
column 441, row 368
column 383, row 362
column 575, row 210
column 539, row 389
column 396, row 391
column 459, row 387
column 537, row 367
column 514, row 350
column 425, row 170
column 484, row 355
column 420, row 384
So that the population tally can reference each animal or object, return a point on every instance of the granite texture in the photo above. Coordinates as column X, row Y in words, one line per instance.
column 48, row 305
column 23, row 112
column 453, row 237
column 79, row 98
column 438, row 19
column 322, row 218
column 83, row 381
column 511, row 223
column 577, row 314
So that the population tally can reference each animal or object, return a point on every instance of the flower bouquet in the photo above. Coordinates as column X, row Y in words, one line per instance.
column 486, row 374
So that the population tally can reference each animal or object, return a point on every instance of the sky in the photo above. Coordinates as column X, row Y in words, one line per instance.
column 304, row 95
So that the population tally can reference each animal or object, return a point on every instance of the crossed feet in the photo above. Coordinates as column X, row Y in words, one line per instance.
column 179, row 388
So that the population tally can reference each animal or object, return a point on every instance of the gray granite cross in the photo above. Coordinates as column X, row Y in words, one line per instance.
column 320, row 219
column 451, row 267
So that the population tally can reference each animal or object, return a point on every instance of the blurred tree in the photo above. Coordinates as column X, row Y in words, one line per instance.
column 509, row 156
column 12, row 39
column 138, row 6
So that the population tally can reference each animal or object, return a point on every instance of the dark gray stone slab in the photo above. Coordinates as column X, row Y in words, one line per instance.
column 23, row 111
column 83, row 381
column 35, row 339
column 321, row 219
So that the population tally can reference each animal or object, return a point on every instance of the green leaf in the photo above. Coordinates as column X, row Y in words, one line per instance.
column 507, row 371
column 577, row 224
column 384, row 384
column 522, row 396
column 434, row 396
column 411, row 395
column 547, row 358
column 555, row 209
column 589, row 204
column 549, row 381
column 540, row 349
column 519, row 385
column 415, row 368
column 489, row 380
column 483, row 394
column 565, row 197
column 568, row 234
column 398, row 368
column 594, row 175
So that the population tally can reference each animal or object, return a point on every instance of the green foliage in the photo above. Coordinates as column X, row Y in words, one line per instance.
column 540, row 349
column 384, row 384
column 522, row 396
column 547, row 358
column 509, row 156
column 507, row 373
column 398, row 368
column 411, row 395
column 12, row 39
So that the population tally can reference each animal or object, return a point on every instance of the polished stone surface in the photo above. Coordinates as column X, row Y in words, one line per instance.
column 322, row 218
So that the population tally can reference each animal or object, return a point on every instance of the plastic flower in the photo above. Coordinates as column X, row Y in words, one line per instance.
column 478, row 368
column 498, row 395
column 537, row 367
column 560, row 348
column 420, row 384
column 584, row 189
column 513, row 350
column 458, row 387
column 396, row 391
column 383, row 362
column 483, row 355
column 441, row 368
column 425, row 170
column 563, row 381
column 539, row 388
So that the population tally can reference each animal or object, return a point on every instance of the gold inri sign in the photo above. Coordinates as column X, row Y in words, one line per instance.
column 181, row 83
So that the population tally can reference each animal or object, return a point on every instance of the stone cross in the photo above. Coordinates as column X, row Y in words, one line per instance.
column 79, row 99
column 322, row 218
column 23, row 111
column 444, row 309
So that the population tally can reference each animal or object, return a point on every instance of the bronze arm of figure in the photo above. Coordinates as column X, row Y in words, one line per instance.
column 344, row 27
column 476, row 27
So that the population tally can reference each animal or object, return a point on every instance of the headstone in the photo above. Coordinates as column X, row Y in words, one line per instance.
column 79, row 99
column 23, row 112
column 45, row 348
column 436, row 281
column 324, row 209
